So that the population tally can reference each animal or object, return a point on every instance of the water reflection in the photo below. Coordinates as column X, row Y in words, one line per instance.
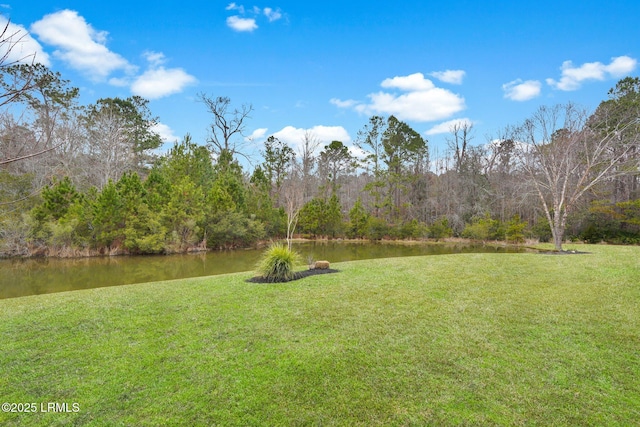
column 39, row 276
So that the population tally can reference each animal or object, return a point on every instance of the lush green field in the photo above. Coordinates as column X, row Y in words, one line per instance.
column 469, row 339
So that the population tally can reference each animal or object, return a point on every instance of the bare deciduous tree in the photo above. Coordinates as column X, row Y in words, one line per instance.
column 310, row 144
column 226, row 124
column 461, row 136
column 110, row 151
column 564, row 156
column 12, row 87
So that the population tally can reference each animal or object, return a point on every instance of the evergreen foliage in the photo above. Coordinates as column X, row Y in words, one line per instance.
column 98, row 188
column 515, row 230
column 377, row 229
column 358, row 219
column 440, row 229
column 484, row 228
column 320, row 217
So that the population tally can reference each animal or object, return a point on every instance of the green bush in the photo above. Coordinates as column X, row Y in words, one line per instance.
column 412, row 230
column 515, row 229
column 358, row 219
column 440, row 229
column 484, row 228
column 229, row 230
column 542, row 230
column 276, row 264
column 377, row 229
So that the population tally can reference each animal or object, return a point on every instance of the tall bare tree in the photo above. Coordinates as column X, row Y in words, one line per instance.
column 459, row 142
column 504, row 176
column 110, row 151
column 120, row 136
column 310, row 144
column 228, row 122
column 31, row 124
column 564, row 156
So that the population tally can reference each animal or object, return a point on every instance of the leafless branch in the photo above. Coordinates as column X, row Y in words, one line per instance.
column 226, row 122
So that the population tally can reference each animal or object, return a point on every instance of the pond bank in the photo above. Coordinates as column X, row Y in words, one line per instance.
column 21, row 277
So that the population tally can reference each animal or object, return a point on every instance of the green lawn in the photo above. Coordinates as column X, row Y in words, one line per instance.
column 468, row 339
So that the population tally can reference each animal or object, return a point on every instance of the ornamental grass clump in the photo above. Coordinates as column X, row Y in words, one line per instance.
column 277, row 263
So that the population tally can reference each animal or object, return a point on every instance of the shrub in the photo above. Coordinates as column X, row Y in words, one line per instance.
column 412, row 230
column 276, row 264
column 515, row 229
column 484, row 228
column 440, row 229
column 358, row 219
column 376, row 229
column 233, row 230
column 541, row 230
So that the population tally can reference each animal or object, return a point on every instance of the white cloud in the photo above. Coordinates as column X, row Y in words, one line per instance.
column 445, row 127
column 272, row 15
column 165, row 132
column 79, row 44
column 159, row 82
column 233, row 6
column 325, row 134
column 246, row 19
column 83, row 48
column 449, row 76
column 518, row 90
column 257, row 134
column 422, row 106
column 237, row 23
column 154, row 58
column 621, row 66
column 21, row 47
column 572, row 77
column 424, row 102
column 412, row 82
column 343, row 104
column 120, row 81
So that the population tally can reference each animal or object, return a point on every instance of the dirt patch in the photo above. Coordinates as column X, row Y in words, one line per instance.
column 297, row 276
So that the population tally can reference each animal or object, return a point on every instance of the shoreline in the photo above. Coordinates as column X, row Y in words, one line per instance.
column 69, row 253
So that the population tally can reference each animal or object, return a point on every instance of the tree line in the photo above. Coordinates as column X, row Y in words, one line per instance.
column 84, row 180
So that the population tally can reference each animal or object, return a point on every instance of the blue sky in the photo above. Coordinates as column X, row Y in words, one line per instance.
column 326, row 67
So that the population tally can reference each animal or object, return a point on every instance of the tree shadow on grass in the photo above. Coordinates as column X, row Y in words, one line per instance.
column 297, row 276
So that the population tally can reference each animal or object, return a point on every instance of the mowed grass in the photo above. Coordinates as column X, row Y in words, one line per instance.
column 468, row 339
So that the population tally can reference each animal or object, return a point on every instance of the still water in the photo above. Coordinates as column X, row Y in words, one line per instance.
column 22, row 277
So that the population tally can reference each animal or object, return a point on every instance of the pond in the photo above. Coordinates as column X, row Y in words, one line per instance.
column 22, row 277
